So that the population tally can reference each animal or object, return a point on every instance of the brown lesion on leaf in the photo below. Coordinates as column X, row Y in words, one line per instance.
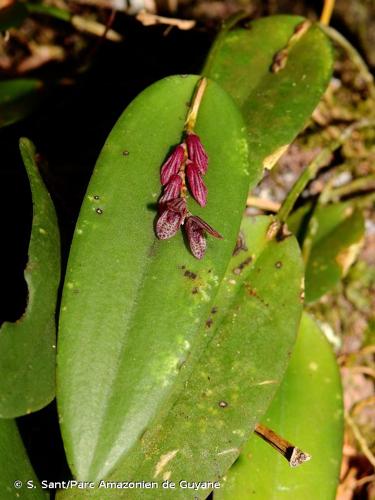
column 240, row 244
column 238, row 270
column 190, row 274
column 209, row 322
column 284, row 233
column 195, row 290
column 214, row 310
column 250, row 290
column 273, row 229
column 278, row 231
column 281, row 58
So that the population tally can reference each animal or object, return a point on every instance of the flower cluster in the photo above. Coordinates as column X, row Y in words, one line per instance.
column 184, row 170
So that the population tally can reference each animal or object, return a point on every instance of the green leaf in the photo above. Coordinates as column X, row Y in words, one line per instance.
column 276, row 106
column 241, row 359
column 12, row 16
column 15, row 466
column 18, row 98
column 27, row 347
column 337, row 233
column 298, row 221
column 133, row 305
column 307, row 410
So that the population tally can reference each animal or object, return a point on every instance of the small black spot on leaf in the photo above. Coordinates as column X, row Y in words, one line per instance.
column 190, row 275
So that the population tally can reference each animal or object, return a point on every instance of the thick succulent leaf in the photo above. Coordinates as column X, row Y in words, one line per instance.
column 27, row 347
column 18, row 98
column 15, row 467
column 336, row 238
column 241, row 358
column 276, row 106
column 307, row 410
column 132, row 305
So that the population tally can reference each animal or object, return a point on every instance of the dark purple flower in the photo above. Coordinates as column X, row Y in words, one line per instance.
column 205, row 226
column 172, row 189
column 168, row 224
column 195, row 230
column 171, row 218
column 178, row 205
column 196, row 184
column 172, row 165
column 197, row 153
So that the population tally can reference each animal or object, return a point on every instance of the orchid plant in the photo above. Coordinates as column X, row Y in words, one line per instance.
column 188, row 160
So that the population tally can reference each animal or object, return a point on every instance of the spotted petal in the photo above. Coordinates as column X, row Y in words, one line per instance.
column 196, row 238
column 168, row 224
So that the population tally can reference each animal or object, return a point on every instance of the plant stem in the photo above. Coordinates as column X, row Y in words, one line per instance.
column 79, row 22
column 195, row 104
column 327, row 12
column 316, row 164
column 360, row 184
column 360, row 439
column 353, row 54
column 291, row 453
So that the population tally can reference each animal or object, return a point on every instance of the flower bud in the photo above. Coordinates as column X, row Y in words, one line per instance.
column 197, row 153
column 205, row 227
column 172, row 189
column 172, row 165
column 196, row 184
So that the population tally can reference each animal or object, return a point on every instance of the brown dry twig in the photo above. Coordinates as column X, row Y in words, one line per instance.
column 263, row 204
column 148, row 19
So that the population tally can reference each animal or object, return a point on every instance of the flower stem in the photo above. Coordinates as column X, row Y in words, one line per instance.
column 363, row 184
column 326, row 15
column 195, row 104
column 353, row 55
